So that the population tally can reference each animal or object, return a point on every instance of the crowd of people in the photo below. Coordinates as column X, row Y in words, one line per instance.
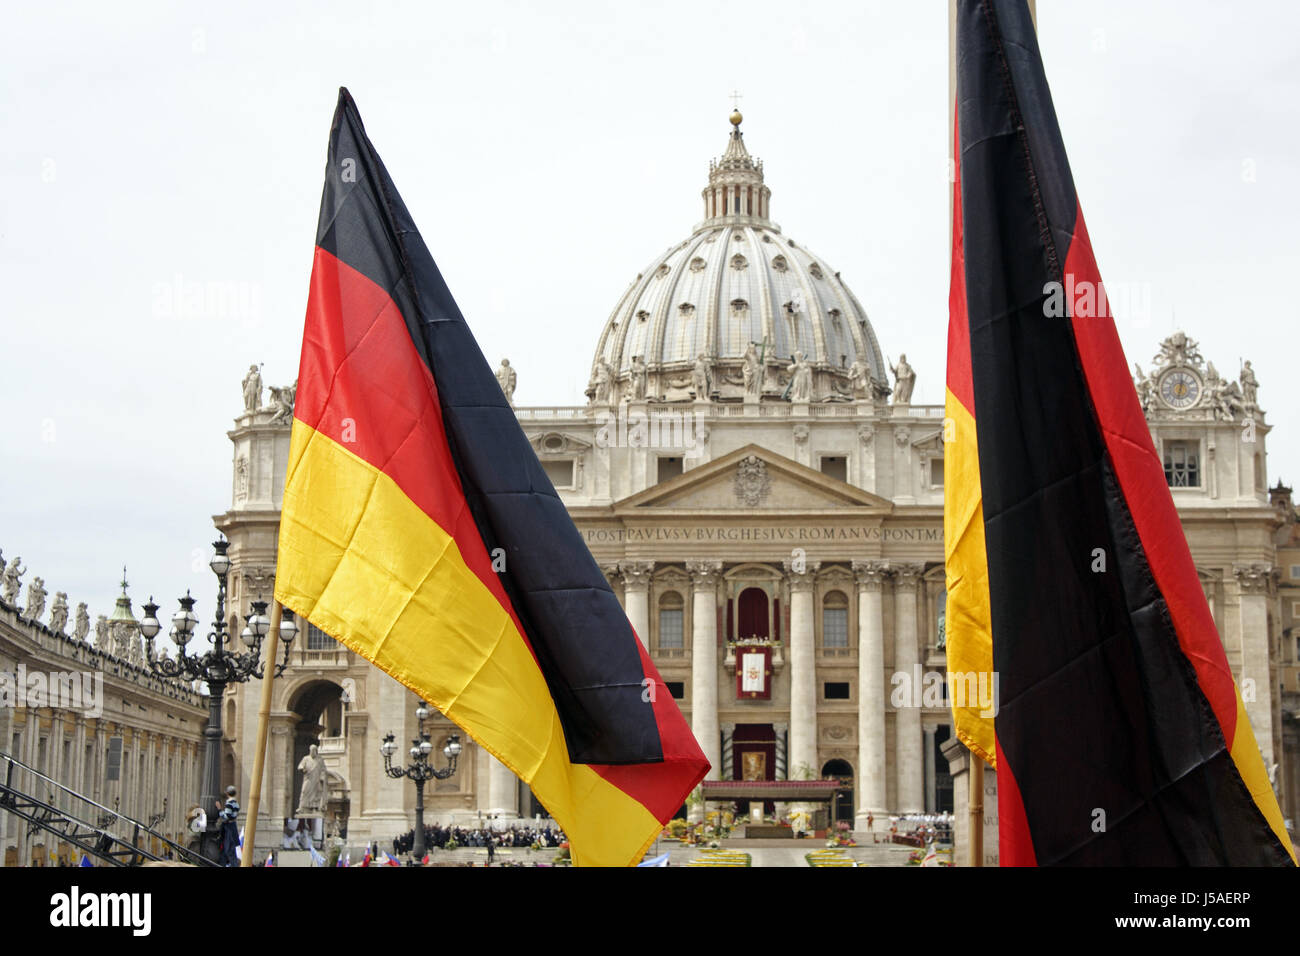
column 514, row 836
column 930, row 827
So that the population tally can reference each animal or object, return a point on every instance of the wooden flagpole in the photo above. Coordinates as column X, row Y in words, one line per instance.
column 263, row 719
column 976, row 810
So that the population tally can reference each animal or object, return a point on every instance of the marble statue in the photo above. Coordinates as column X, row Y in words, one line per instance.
column 315, row 784
column 252, row 389
column 121, row 640
column 506, row 378
column 601, row 379
column 1249, row 386
column 1145, row 387
column 753, row 371
column 702, row 377
column 860, row 379
column 82, row 626
column 10, row 584
column 800, row 379
column 904, row 381
column 2, row 564
column 282, row 399
column 59, row 612
column 638, row 378
column 1227, row 400
column 101, row 636
column 35, row 599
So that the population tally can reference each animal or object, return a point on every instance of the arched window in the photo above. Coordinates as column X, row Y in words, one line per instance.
column 671, row 632
column 835, row 620
column 752, row 614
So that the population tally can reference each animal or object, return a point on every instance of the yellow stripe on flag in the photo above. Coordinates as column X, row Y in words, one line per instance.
column 968, row 627
column 1244, row 752
column 363, row 563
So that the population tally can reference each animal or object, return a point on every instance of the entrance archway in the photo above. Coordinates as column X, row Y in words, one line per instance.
column 319, row 708
column 841, row 770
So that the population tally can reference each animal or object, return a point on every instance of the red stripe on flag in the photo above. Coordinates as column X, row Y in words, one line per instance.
column 1015, row 843
column 960, row 382
column 1141, row 477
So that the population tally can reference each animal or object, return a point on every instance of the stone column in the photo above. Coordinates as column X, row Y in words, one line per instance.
column 503, row 790
column 278, row 776
column 1255, row 582
column 386, row 816
column 907, row 727
column 704, row 660
column 636, row 596
column 782, row 731
column 78, row 780
column 872, row 782
column 803, row 670
column 931, row 785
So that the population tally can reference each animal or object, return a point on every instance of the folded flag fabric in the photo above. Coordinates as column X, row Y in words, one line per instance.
column 1118, row 733
column 419, row 529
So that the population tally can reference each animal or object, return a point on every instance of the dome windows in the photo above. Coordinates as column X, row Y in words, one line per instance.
column 662, row 271
column 698, row 264
column 739, row 262
column 779, row 264
column 815, row 271
column 738, row 308
column 687, row 310
column 642, row 315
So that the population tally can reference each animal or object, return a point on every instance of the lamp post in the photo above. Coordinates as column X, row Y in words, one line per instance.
column 420, row 770
column 224, row 664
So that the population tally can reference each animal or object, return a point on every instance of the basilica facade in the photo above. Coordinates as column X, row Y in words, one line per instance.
column 767, row 503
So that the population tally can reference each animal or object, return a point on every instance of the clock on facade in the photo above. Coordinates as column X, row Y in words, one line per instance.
column 1180, row 388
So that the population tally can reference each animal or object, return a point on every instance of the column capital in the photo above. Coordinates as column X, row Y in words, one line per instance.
column 801, row 579
column 636, row 574
column 906, row 576
column 1255, row 578
column 611, row 574
column 870, row 575
column 704, row 574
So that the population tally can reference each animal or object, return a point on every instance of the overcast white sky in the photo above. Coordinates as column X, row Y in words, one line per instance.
column 548, row 152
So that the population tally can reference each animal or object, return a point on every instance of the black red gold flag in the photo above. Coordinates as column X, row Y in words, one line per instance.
column 419, row 529
column 1119, row 735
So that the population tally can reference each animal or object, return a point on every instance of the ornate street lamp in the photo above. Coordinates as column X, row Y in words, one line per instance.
column 420, row 770
column 222, row 665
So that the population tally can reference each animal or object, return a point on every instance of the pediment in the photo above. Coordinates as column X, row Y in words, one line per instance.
column 558, row 444
column 753, row 478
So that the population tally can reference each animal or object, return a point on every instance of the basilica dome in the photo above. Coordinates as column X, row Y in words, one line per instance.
column 736, row 292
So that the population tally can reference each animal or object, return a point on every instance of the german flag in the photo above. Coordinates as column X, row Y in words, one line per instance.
column 419, row 529
column 1119, row 735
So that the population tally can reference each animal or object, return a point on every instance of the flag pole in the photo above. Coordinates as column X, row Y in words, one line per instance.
column 263, row 719
column 976, row 810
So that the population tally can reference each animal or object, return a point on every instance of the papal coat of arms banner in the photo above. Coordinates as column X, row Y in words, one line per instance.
column 753, row 673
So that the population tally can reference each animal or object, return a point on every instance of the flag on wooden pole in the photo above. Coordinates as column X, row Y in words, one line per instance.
column 419, row 529
column 1118, row 733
